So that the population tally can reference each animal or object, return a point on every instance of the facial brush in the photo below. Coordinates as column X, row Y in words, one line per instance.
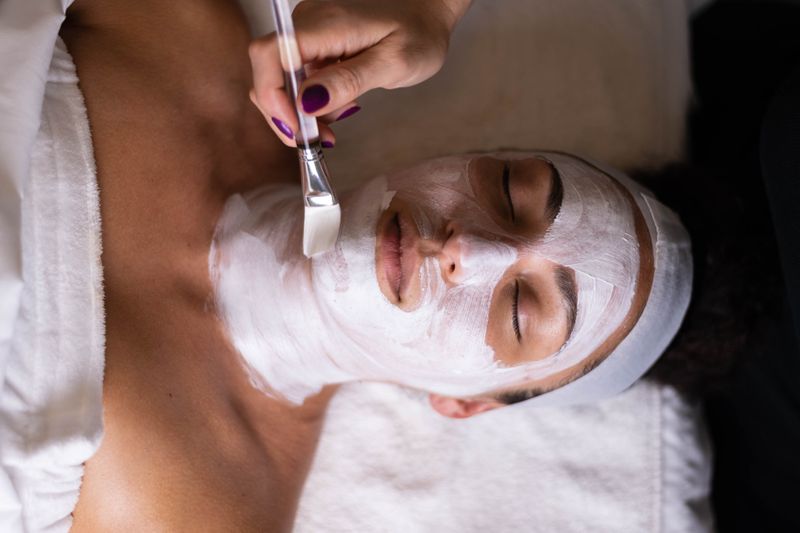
column 322, row 212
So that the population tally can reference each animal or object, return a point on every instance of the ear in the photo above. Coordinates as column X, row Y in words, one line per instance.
column 461, row 408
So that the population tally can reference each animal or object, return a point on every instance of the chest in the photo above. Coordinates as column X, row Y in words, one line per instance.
column 173, row 135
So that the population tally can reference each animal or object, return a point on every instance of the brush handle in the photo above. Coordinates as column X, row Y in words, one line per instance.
column 294, row 73
column 309, row 132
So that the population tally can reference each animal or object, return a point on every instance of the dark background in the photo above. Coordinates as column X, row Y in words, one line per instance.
column 745, row 129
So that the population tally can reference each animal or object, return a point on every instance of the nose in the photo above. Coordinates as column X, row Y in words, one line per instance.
column 468, row 258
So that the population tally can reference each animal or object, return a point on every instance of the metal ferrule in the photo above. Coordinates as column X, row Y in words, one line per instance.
column 317, row 191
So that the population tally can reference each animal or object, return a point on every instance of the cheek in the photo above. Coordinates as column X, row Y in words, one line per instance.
column 441, row 185
column 493, row 339
column 497, row 338
column 434, row 205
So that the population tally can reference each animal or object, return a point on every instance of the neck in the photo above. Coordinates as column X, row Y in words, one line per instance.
column 283, row 438
column 264, row 293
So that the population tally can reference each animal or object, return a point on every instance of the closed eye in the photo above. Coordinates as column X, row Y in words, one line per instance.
column 515, row 312
column 507, row 190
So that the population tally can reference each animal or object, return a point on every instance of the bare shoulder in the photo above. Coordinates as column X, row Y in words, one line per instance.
column 166, row 90
column 174, row 133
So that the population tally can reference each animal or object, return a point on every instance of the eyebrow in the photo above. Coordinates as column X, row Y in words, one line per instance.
column 565, row 279
column 553, row 206
column 520, row 395
column 556, row 195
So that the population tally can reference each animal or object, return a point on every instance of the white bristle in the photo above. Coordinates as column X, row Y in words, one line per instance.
column 320, row 228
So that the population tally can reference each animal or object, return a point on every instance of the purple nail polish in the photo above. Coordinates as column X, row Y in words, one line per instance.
column 348, row 112
column 315, row 98
column 286, row 130
column 327, row 144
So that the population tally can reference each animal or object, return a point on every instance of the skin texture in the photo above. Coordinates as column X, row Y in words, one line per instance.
column 188, row 445
column 521, row 215
column 466, row 407
column 352, row 47
column 543, row 323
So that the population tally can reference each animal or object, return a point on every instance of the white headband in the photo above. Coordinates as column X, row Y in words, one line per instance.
column 662, row 315
column 299, row 331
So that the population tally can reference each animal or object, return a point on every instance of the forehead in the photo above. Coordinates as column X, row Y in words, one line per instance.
column 537, row 186
column 454, row 172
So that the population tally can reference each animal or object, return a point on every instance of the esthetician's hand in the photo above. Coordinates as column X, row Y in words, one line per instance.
column 351, row 47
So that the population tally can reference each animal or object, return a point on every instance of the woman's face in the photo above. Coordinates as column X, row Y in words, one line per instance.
column 474, row 275
column 461, row 276
column 512, row 202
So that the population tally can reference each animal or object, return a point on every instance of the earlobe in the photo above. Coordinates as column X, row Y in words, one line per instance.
column 461, row 408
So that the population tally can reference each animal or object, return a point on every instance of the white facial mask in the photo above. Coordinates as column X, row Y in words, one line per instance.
column 594, row 234
column 301, row 325
column 661, row 317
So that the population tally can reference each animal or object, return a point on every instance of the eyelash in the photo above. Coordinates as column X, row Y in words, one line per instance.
column 515, row 312
column 507, row 189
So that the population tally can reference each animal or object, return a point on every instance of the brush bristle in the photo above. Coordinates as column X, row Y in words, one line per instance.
column 320, row 228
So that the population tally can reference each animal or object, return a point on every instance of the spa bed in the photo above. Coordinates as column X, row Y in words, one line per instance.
column 607, row 80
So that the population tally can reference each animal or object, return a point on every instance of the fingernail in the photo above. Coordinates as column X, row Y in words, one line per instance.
column 286, row 130
column 327, row 144
column 348, row 112
column 315, row 98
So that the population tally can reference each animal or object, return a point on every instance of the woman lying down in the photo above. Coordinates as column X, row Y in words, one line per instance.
column 485, row 279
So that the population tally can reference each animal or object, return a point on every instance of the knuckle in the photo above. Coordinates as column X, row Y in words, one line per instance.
column 259, row 48
column 254, row 49
column 264, row 98
column 418, row 61
column 348, row 82
column 408, row 63
column 404, row 62
column 260, row 100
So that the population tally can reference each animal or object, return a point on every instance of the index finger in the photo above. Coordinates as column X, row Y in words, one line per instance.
column 269, row 94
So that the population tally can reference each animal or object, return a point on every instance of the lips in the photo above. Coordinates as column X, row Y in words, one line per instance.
column 397, row 257
column 393, row 255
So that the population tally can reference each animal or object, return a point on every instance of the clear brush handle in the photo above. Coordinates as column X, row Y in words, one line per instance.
column 294, row 72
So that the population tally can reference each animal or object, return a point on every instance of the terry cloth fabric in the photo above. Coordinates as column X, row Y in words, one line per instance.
column 608, row 80
column 28, row 33
column 51, row 399
column 633, row 66
column 636, row 463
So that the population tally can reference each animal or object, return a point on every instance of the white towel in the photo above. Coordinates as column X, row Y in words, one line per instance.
column 605, row 79
column 636, row 463
column 28, row 31
column 51, row 400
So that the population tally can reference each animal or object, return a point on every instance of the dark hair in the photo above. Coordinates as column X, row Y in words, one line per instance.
column 737, row 279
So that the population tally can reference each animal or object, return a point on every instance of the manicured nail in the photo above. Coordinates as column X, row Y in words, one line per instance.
column 315, row 98
column 348, row 112
column 286, row 130
column 327, row 144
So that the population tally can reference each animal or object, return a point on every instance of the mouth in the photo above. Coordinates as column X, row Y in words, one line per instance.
column 396, row 256
column 393, row 254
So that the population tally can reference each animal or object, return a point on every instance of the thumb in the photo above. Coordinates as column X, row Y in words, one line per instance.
column 336, row 85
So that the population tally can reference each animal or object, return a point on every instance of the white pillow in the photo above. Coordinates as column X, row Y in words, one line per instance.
column 387, row 462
